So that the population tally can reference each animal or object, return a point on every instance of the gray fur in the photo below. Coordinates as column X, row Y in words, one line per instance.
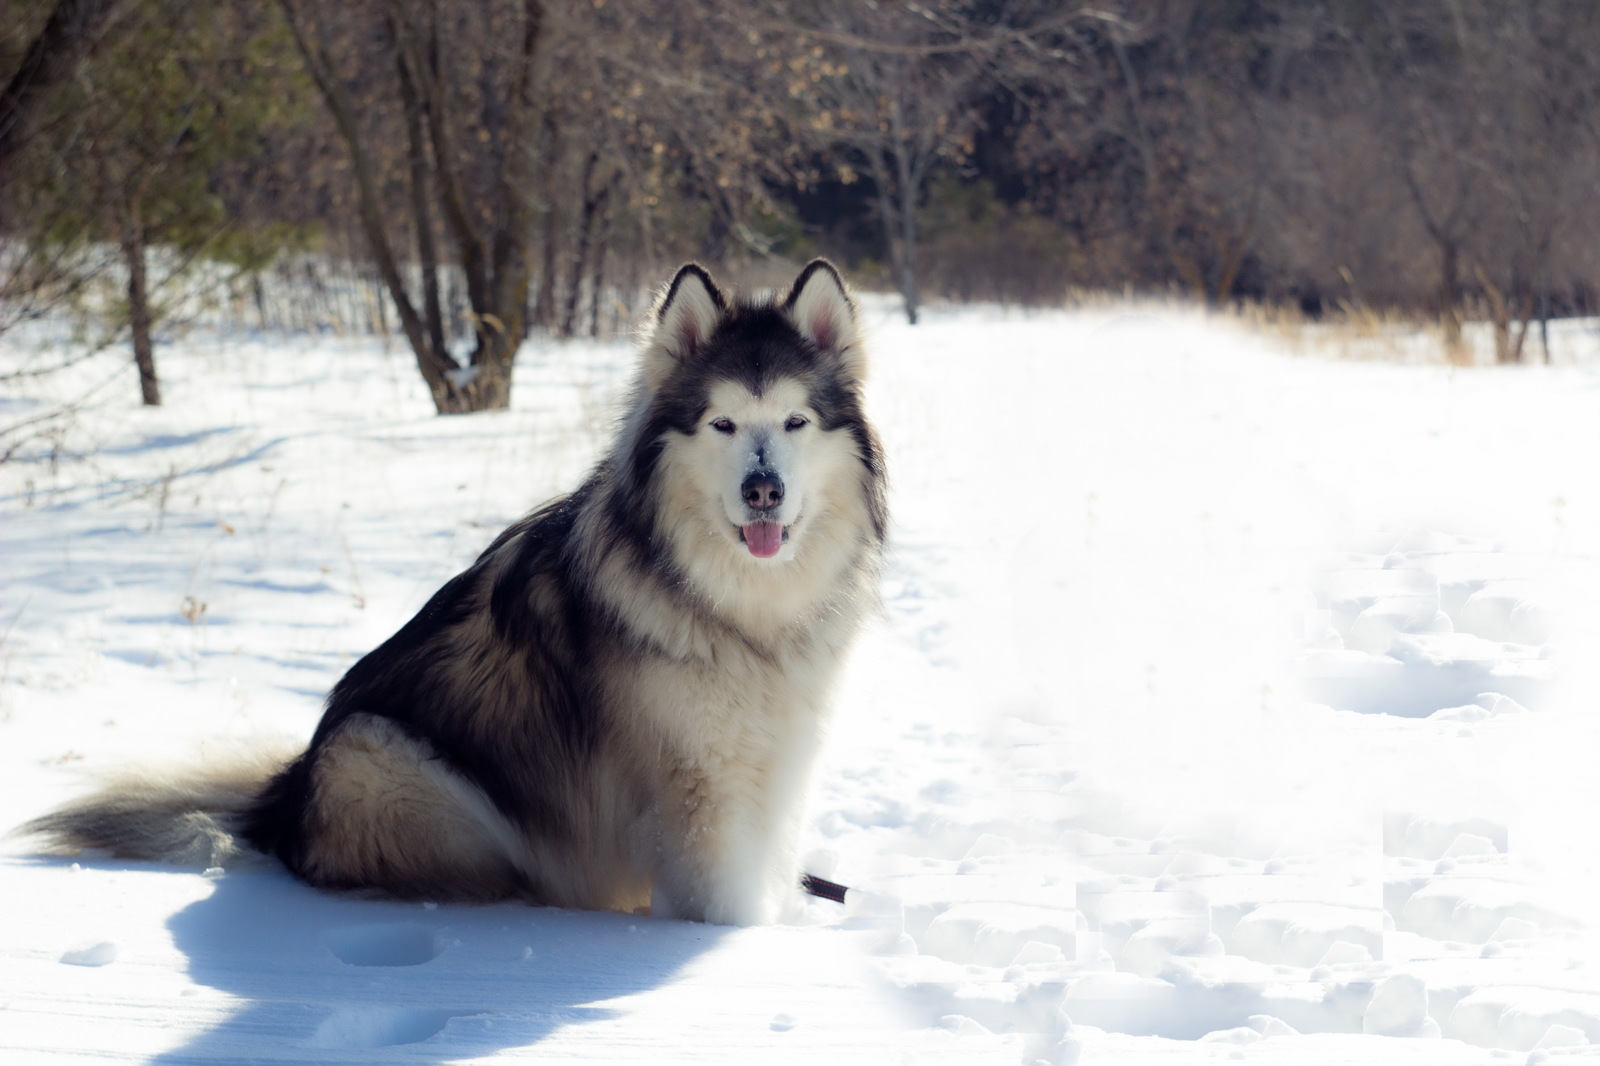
column 189, row 819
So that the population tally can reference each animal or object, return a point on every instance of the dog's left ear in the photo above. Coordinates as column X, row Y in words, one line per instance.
column 821, row 309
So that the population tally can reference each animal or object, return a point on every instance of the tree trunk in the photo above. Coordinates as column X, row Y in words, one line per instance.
column 895, row 228
column 1233, row 256
column 580, row 254
column 436, row 367
column 1449, row 290
column 908, row 240
column 597, row 277
column 509, row 264
column 1544, row 321
column 139, row 313
column 422, row 215
column 1160, row 203
column 545, row 302
column 593, row 218
column 495, row 265
column 1510, row 328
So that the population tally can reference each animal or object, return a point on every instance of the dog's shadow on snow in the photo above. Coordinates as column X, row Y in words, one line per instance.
column 322, row 976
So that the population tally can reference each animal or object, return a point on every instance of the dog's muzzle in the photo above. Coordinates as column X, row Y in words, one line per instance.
column 762, row 492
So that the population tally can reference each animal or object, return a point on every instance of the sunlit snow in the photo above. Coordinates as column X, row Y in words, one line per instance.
column 1231, row 702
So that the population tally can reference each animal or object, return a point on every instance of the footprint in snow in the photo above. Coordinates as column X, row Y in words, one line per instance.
column 385, row 944
column 100, row 954
column 372, row 1027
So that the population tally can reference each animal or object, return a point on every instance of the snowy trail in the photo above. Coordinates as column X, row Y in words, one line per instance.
column 1229, row 705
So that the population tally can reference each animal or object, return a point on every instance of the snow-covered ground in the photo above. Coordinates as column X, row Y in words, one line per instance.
column 1230, row 703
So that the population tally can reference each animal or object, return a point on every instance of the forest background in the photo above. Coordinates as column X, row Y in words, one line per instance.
column 464, row 174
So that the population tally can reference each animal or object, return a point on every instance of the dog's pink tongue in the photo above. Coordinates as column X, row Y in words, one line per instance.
column 763, row 538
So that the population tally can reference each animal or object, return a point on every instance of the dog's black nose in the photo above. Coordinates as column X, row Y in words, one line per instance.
column 762, row 491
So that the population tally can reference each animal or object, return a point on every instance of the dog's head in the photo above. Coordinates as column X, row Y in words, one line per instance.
column 750, row 432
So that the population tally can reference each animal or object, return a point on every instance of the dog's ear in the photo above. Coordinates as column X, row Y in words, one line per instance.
column 823, row 312
column 684, row 320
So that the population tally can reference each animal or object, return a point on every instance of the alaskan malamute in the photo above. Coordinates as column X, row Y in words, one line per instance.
column 617, row 706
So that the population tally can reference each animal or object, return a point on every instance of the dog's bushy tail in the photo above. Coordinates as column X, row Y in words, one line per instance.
column 188, row 817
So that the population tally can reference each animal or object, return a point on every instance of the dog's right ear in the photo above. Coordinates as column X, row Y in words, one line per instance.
column 685, row 318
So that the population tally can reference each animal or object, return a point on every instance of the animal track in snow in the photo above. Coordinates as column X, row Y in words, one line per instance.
column 369, row 1027
column 1429, row 623
column 101, row 954
column 385, row 944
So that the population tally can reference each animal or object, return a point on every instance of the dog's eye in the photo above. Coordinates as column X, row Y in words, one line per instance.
column 795, row 422
column 723, row 425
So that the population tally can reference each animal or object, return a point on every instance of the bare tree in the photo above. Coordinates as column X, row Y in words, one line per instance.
column 1193, row 94
column 1478, row 106
column 1439, row 151
column 894, row 86
column 468, row 79
column 1539, row 167
column 511, row 165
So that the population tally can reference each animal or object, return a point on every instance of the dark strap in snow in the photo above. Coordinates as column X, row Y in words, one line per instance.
column 826, row 889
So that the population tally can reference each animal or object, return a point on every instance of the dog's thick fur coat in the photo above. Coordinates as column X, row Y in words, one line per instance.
column 618, row 704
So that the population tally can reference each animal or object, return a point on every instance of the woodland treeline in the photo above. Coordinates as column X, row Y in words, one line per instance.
column 499, row 167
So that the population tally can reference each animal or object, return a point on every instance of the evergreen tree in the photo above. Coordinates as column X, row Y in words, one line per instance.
column 134, row 156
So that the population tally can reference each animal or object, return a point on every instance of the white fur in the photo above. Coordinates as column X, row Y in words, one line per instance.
column 737, row 711
column 742, row 707
column 823, row 509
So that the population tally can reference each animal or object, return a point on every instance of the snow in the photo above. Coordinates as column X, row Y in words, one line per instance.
column 1232, row 702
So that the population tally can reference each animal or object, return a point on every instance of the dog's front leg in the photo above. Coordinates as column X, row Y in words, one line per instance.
column 714, row 852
